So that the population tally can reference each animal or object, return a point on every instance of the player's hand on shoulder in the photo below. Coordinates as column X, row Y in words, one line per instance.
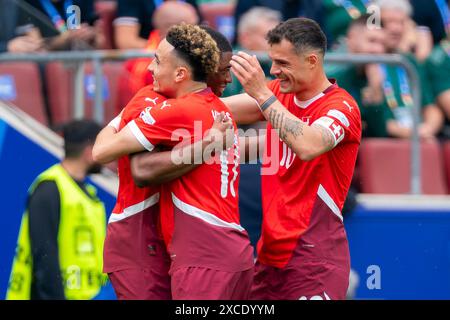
column 222, row 132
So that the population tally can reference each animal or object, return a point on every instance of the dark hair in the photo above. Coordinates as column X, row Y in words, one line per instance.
column 361, row 21
column 77, row 135
column 196, row 47
column 304, row 34
column 221, row 41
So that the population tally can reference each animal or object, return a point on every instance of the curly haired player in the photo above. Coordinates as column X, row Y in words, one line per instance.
column 210, row 251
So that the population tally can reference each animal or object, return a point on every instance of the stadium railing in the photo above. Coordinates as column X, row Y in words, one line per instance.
column 98, row 57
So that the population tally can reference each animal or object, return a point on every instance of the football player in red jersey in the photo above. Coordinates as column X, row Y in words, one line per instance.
column 210, row 251
column 135, row 255
column 303, row 251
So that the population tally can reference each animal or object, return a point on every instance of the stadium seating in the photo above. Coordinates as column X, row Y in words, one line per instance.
column 60, row 90
column 384, row 166
column 447, row 162
column 20, row 84
column 106, row 11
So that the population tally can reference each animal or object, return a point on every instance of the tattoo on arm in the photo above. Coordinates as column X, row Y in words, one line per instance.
column 327, row 137
column 286, row 125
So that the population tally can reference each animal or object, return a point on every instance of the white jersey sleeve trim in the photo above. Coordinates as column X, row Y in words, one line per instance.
column 340, row 116
column 203, row 215
column 134, row 209
column 326, row 122
column 126, row 21
column 140, row 136
column 323, row 194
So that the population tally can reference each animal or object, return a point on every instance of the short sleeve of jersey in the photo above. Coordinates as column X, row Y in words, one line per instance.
column 144, row 97
column 341, row 116
column 164, row 124
column 128, row 11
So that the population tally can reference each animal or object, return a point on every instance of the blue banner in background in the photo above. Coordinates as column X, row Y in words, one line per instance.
column 400, row 254
column 89, row 85
column 7, row 87
column 21, row 161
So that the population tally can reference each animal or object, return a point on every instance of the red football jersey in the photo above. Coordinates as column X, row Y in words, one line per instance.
column 210, row 191
column 131, row 198
column 292, row 188
column 133, row 238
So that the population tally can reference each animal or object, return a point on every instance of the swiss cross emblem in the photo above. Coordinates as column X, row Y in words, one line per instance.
column 306, row 120
column 337, row 130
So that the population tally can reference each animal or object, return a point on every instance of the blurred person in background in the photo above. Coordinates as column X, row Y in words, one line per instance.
column 252, row 30
column 339, row 14
column 396, row 118
column 312, row 9
column 135, row 75
column 438, row 68
column 360, row 39
column 433, row 14
column 403, row 35
column 61, row 26
column 60, row 245
column 135, row 21
column 16, row 37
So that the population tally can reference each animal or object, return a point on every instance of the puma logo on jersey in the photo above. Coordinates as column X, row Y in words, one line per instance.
column 165, row 104
column 348, row 105
column 147, row 117
column 152, row 100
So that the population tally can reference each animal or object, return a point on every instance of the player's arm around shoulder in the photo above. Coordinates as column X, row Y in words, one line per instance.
column 243, row 108
column 111, row 143
column 158, row 167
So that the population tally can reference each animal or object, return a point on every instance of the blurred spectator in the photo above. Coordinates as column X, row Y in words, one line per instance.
column 433, row 14
column 403, row 35
column 397, row 118
column 60, row 245
column 438, row 67
column 134, row 22
column 136, row 75
column 62, row 27
column 16, row 37
column 359, row 40
column 339, row 15
column 312, row 9
column 253, row 28
column 252, row 31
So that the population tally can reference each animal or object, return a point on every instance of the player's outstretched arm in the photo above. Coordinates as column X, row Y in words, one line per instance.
column 155, row 168
column 307, row 142
column 158, row 167
column 111, row 144
column 244, row 108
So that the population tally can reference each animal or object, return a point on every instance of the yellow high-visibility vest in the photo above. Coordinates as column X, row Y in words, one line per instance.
column 81, row 234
